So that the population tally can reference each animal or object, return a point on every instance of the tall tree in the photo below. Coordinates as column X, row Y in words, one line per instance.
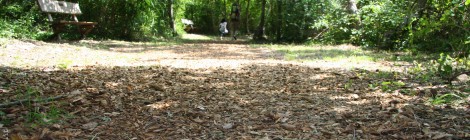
column 352, row 7
column 279, row 20
column 235, row 18
column 171, row 17
column 421, row 7
column 225, row 8
column 247, row 17
column 259, row 34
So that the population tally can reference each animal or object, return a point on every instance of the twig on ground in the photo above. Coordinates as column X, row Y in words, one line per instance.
column 35, row 100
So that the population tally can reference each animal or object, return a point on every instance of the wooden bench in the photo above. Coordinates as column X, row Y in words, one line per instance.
column 61, row 7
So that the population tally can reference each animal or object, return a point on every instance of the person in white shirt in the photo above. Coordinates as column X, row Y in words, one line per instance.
column 223, row 28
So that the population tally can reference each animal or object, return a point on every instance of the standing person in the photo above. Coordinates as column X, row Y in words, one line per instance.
column 223, row 28
column 235, row 19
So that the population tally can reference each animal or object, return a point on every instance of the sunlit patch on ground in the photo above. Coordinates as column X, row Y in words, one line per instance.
column 189, row 55
column 195, row 37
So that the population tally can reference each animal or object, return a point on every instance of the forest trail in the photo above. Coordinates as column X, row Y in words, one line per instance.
column 211, row 90
column 195, row 52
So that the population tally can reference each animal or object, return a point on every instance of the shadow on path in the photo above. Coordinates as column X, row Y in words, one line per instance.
column 256, row 101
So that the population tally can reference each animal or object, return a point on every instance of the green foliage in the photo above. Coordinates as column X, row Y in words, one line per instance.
column 444, row 25
column 380, row 22
column 383, row 75
column 65, row 64
column 391, row 86
column 336, row 21
column 348, row 85
column 28, row 93
column 4, row 119
column 39, row 115
column 19, row 19
column 467, row 89
column 129, row 20
column 444, row 65
column 428, row 25
column 50, row 116
column 446, row 99
column 385, row 24
column 444, row 68
column 420, row 71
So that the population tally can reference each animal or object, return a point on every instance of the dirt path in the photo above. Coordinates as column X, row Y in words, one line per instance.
column 124, row 90
column 199, row 54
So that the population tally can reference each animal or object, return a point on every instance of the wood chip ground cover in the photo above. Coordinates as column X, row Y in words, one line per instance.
column 250, row 101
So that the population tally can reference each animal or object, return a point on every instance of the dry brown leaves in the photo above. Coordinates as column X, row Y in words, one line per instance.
column 254, row 102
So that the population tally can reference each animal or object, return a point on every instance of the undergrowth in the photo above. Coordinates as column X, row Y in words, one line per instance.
column 443, row 71
column 37, row 114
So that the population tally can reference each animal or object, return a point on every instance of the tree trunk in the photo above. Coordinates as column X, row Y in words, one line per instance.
column 352, row 7
column 225, row 8
column 171, row 17
column 259, row 35
column 247, row 16
column 421, row 7
column 279, row 20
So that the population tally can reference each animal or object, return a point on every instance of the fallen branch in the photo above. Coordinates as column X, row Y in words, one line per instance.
column 318, row 35
column 35, row 100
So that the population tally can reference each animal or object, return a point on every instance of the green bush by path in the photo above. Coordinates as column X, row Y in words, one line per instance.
column 418, row 25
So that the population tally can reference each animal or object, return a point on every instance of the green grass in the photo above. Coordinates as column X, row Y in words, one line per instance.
column 64, row 64
column 319, row 52
column 467, row 89
column 37, row 116
column 4, row 120
column 383, row 75
column 410, row 57
column 315, row 52
column 391, row 86
column 108, row 44
column 448, row 98
column 348, row 85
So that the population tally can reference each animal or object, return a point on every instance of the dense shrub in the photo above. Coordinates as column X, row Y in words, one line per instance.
column 400, row 24
column 20, row 19
column 429, row 25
